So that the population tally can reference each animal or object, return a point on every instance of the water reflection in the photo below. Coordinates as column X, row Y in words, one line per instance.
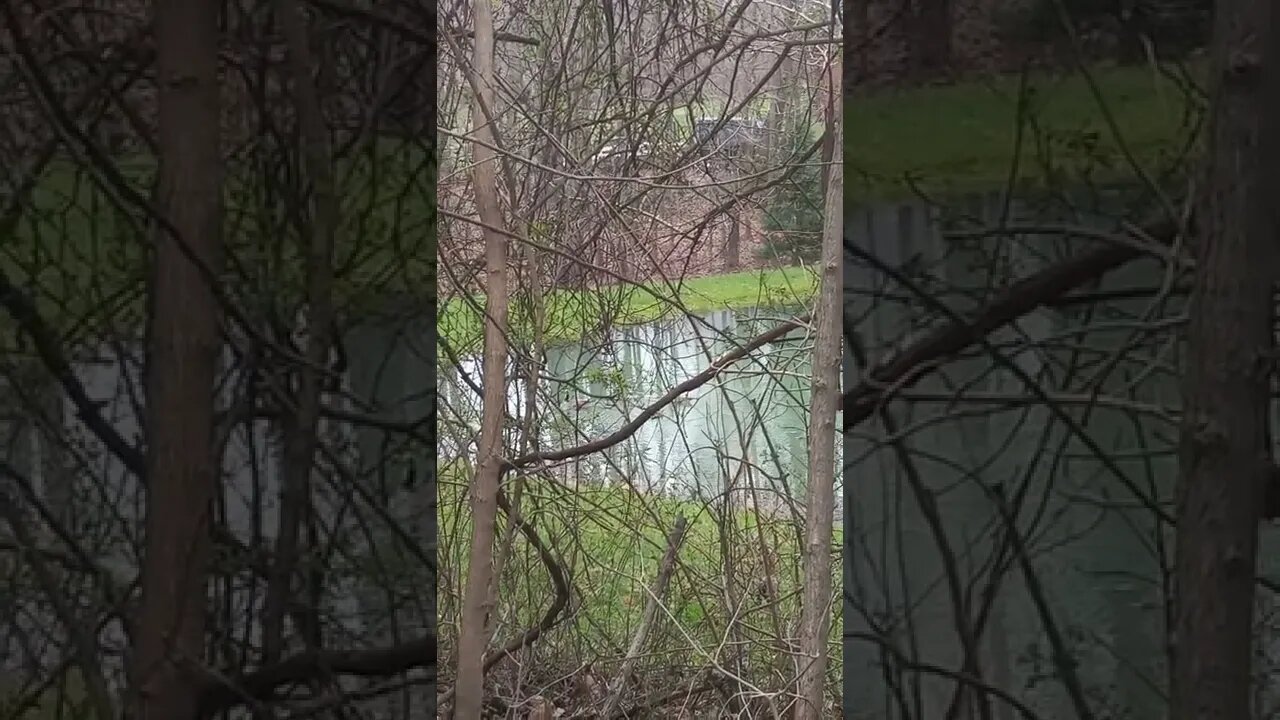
column 926, row 530
column 746, row 429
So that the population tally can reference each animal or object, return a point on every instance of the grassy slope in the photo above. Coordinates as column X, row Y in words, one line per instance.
column 962, row 137
column 612, row 542
column 575, row 313
column 945, row 139
column 83, row 261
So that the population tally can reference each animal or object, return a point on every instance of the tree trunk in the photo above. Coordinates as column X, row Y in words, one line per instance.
column 182, row 350
column 472, row 638
column 733, row 246
column 862, row 39
column 318, row 242
column 933, row 36
column 780, row 121
column 1224, row 447
column 815, row 617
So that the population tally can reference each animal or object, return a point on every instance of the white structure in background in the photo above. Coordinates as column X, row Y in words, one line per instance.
column 390, row 367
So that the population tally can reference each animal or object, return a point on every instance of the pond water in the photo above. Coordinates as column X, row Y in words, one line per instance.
column 746, row 429
column 982, row 450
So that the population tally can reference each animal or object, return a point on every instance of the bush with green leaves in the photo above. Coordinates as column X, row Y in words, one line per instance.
column 793, row 216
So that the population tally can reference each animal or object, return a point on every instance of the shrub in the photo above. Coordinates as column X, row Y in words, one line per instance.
column 793, row 216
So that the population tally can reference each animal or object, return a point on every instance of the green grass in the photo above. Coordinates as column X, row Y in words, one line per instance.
column 612, row 542
column 83, row 260
column 576, row 313
column 962, row 137
column 66, row 699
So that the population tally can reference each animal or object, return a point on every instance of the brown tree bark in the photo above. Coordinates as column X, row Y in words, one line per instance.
column 1224, row 445
column 182, row 354
column 318, row 244
column 476, row 602
column 932, row 35
column 860, row 36
column 733, row 246
column 815, row 614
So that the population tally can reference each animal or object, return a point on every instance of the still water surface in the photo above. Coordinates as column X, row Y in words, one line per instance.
column 747, row 428
column 977, row 441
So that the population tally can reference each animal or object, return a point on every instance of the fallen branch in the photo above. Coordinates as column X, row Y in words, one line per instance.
column 558, row 574
column 700, row 683
column 656, row 593
column 373, row 662
column 713, row 370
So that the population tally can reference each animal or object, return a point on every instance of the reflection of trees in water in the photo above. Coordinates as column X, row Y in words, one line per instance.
column 971, row 484
column 746, row 426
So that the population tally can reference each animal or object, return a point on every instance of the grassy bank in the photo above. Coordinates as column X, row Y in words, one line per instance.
column 965, row 137
column 83, row 260
column 611, row 542
column 573, row 314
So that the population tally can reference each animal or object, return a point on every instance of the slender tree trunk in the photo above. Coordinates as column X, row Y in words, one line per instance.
column 815, row 617
column 933, row 35
column 733, row 246
column 529, row 431
column 183, row 343
column 861, row 34
column 785, row 89
column 1225, row 439
column 318, row 242
column 476, row 605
